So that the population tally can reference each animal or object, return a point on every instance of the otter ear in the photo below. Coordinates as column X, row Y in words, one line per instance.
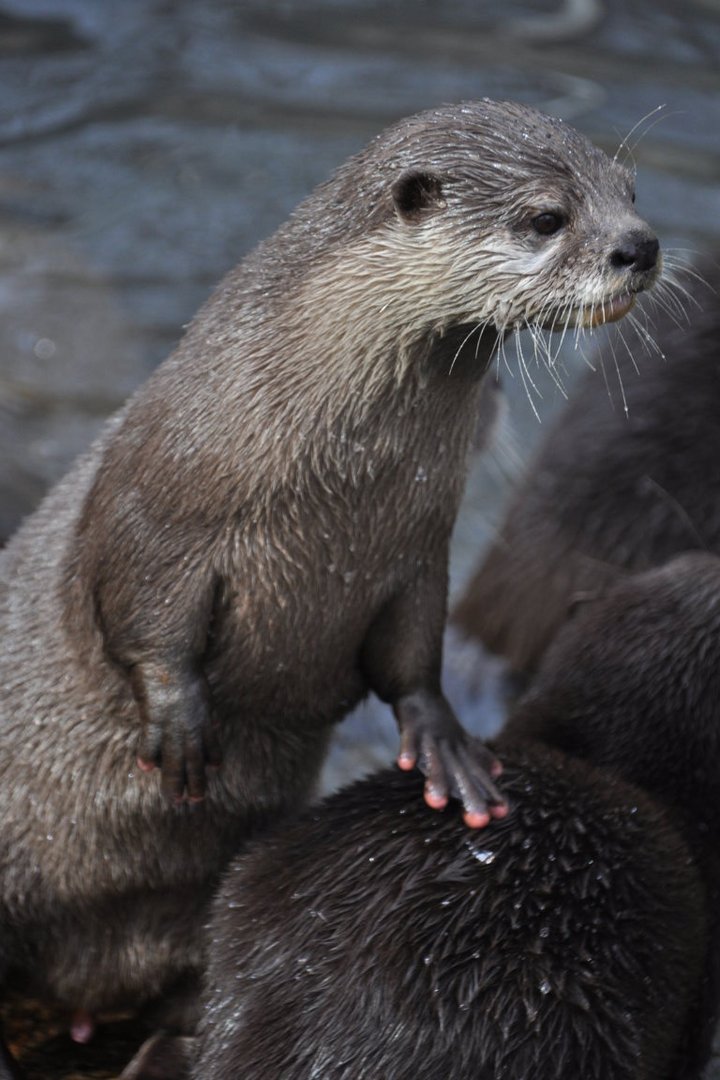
column 417, row 192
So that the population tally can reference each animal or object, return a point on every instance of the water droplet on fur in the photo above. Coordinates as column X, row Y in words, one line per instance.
column 421, row 475
column 544, row 987
column 544, row 931
column 484, row 857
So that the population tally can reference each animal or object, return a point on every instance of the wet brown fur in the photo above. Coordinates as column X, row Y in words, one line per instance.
column 265, row 527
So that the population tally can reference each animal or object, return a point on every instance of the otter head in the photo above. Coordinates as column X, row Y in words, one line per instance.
column 518, row 218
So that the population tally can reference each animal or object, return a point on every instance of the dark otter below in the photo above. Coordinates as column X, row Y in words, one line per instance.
column 609, row 492
column 260, row 537
column 574, row 940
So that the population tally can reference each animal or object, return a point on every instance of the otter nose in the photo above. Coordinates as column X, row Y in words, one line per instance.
column 637, row 251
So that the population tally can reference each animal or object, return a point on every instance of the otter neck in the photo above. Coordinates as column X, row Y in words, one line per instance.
column 431, row 389
column 352, row 364
column 349, row 351
column 382, row 312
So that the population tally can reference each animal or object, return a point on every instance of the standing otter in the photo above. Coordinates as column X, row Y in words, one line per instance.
column 260, row 537
column 574, row 940
column 609, row 492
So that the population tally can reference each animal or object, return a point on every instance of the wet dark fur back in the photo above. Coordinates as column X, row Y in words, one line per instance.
column 609, row 492
column 576, row 938
column 379, row 940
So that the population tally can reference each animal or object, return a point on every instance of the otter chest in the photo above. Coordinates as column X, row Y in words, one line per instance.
column 307, row 577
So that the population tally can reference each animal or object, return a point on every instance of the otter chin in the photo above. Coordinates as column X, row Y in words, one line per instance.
column 606, row 313
column 589, row 316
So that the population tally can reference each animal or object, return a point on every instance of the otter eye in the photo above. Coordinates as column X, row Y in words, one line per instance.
column 548, row 223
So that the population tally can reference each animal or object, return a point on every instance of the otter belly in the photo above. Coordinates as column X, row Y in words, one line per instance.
column 120, row 952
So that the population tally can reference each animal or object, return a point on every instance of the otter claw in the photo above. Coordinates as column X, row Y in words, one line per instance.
column 455, row 764
column 178, row 735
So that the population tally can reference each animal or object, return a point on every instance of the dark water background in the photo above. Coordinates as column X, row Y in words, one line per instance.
column 146, row 145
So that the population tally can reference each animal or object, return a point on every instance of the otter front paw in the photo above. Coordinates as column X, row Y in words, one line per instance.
column 178, row 735
column 455, row 764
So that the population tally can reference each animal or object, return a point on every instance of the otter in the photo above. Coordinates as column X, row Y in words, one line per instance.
column 575, row 938
column 610, row 493
column 260, row 537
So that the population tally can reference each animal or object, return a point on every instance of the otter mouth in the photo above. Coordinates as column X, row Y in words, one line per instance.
column 611, row 311
column 591, row 315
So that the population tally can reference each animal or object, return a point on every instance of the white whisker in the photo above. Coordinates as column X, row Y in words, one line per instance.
column 464, row 340
column 621, row 385
column 633, row 129
column 647, row 341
